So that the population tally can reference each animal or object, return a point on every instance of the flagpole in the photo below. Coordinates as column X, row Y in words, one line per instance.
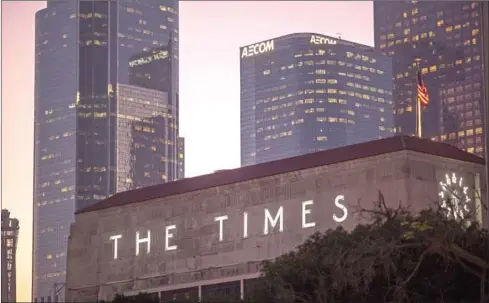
column 419, row 131
column 418, row 118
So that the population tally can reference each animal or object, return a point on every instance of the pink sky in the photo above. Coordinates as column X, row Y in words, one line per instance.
column 210, row 35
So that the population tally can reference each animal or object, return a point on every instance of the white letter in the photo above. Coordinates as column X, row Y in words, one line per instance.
column 313, row 39
column 256, row 48
column 245, row 225
column 144, row 240
column 244, row 53
column 115, row 238
column 221, row 225
column 273, row 221
column 270, row 45
column 342, row 207
column 306, row 212
column 168, row 236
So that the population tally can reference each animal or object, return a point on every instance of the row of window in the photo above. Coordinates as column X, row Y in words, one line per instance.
column 434, row 68
column 328, row 62
column 464, row 145
column 58, row 200
column 329, row 91
column 329, row 100
column 439, row 23
column 461, row 88
column 55, row 255
column 415, row 38
column 461, row 134
column 228, row 289
column 318, row 119
column 361, row 57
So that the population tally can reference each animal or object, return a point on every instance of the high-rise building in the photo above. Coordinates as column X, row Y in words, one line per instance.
column 485, row 39
column 181, row 157
column 307, row 92
column 445, row 38
column 10, row 236
column 106, row 115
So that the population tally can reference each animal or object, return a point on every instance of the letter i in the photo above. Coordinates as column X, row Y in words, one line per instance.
column 245, row 225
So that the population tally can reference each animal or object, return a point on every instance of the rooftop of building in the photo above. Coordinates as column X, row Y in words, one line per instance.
column 8, row 223
column 322, row 158
column 302, row 35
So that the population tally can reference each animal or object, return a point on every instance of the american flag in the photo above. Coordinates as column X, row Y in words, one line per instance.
column 423, row 97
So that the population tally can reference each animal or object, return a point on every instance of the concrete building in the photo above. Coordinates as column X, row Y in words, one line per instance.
column 10, row 237
column 307, row 92
column 208, row 234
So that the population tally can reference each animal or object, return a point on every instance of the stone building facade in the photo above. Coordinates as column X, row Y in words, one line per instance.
column 200, row 234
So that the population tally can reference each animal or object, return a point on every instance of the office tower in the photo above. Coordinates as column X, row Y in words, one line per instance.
column 445, row 37
column 106, row 115
column 485, row 38
column 10, row 236
column 181, row 157
column 306, row 92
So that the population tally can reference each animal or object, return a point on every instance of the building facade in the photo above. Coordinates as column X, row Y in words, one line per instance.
column 10, row 238
column 446, row 38
column 209, row 234
column 181, row 157
column 106, row 115
column 307, row 92
column 485, row 30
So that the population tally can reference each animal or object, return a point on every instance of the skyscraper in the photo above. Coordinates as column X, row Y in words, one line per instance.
column 445, row 37
column 106, row 115
column 181, row 157
column 306, row 92
column 10, row 236
column 485, row 39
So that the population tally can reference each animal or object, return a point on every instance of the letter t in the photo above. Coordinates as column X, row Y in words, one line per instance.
column 221, row 225
column 115, row 238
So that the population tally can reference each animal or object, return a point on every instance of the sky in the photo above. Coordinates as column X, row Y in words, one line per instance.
column 210, row 36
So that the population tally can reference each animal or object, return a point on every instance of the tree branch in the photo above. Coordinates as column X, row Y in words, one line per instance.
column 416, row 268
column 462, row 253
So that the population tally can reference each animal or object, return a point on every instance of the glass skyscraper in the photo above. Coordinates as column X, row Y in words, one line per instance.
column 307, row 92
column 446, row 38
column 106, row 115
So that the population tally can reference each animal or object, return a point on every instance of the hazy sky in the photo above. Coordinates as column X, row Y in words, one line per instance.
column 210, row 35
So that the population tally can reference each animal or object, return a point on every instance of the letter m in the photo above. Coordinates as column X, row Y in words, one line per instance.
column 269, row 46
column 279, row 218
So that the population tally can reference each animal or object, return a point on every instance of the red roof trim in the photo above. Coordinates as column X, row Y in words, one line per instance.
column 322, row 158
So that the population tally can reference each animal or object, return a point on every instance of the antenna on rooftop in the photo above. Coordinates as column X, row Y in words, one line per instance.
column 339, row 35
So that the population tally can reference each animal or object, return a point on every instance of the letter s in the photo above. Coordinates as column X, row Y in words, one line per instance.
column 337, row 203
